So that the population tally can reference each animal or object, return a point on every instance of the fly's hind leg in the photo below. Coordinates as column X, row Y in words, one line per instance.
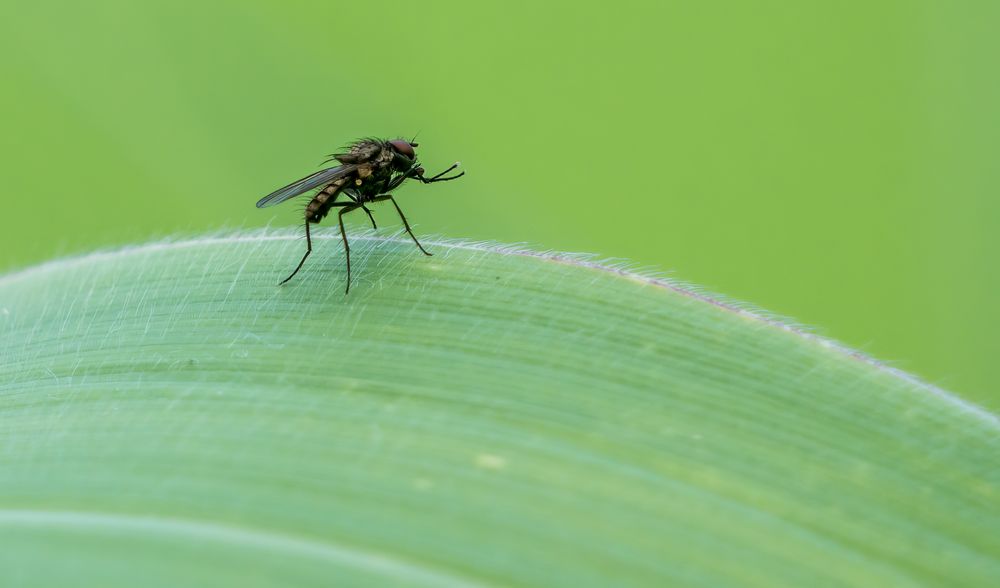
column 309, row 248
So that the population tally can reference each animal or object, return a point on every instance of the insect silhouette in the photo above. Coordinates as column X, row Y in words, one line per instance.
column 368, row 172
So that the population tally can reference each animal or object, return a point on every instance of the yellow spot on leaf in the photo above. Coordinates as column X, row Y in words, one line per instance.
column 488, row 461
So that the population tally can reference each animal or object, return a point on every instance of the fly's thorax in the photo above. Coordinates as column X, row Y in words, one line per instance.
column 367, row 150
column 373, row 184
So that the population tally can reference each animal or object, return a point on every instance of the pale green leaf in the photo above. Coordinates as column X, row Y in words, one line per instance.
column 169, row 416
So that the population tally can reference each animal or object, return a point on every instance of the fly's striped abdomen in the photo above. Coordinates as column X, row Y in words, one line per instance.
column 322, row 202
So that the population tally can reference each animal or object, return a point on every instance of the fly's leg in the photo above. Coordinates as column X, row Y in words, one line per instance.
column 438, row 178
column 364, row 208
column 347, row 248
column 403, row 218
column 369, row 213
column 309, row 248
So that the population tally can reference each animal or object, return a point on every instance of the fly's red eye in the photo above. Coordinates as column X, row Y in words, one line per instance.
column 402, row 147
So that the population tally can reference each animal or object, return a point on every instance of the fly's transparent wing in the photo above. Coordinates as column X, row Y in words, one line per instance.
column 323, row 176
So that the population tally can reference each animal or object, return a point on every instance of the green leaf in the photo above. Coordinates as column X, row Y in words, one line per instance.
column 489, row 416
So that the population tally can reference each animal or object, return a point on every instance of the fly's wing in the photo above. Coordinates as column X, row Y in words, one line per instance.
column 324, row 176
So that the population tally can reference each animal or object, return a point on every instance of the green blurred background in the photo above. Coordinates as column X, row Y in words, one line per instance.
column 832, row 162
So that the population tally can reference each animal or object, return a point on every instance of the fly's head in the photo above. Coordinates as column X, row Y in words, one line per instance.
column 403, row 155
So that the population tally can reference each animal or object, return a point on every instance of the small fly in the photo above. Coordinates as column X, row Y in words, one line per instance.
column 369, row 170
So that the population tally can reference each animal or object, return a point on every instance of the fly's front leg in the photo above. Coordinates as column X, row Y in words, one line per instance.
column 437, row 177
column 391, row 184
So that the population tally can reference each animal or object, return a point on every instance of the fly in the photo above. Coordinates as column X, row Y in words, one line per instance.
column 368, row 172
